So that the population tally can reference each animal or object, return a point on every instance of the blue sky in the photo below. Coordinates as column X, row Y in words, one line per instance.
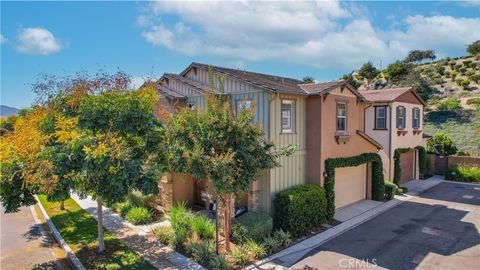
column 294, row 39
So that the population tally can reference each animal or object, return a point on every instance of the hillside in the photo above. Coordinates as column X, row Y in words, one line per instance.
column 5, row 111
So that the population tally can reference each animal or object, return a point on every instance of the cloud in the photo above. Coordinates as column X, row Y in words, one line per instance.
column 2, row 39
column 38, row 41
column 319, row 34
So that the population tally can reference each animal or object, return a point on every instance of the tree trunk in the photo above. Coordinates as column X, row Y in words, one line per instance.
column 226, row 206
column 62, row 205
column 101, row 242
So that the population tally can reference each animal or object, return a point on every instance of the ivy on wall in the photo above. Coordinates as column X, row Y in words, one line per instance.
column 378, row 188
column 397, row 169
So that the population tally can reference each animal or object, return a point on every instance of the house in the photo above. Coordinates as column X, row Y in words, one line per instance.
column 395, row 121
column 325, row 120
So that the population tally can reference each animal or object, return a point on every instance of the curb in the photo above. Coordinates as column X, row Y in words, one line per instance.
column 56, row 234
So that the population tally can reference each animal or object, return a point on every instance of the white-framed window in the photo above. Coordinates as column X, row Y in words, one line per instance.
column 381, row 117
column 416, row 118
column 288, row 116
column 243, row 104
column 401, row 117
column 342, row 117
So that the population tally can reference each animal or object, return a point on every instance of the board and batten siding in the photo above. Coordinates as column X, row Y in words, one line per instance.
column 230, row 85
column 292, row 168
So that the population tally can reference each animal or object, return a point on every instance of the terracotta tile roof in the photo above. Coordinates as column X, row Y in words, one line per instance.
column 384, row 95
column 317, row 88
column 269, row 82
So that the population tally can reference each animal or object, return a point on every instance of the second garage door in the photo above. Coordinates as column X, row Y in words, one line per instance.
column 350, row 185
column 406, row 164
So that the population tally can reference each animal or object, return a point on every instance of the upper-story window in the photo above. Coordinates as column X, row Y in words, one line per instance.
column 244, row 104
column 288, row 116
column 401, row 116
column 381, row 117
column 416, row 118
column 342, row 117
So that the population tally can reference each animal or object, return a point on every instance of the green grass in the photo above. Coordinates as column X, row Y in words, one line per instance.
column 463, row 126
column 79, row 229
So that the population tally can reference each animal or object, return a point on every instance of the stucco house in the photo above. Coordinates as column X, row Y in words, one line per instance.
column 326, row 120
column 395, row 120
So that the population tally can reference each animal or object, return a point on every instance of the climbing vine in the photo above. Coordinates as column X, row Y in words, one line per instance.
column 422, row 159
column 397, row 170
column 378, row 188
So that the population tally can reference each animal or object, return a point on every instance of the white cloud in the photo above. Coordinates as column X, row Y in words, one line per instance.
column 38, row 41
column 320, row 34
column 2, row 39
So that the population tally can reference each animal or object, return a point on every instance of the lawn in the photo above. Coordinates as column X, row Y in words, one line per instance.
column 79, row 229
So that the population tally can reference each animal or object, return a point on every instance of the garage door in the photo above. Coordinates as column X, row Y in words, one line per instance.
column 350, row 185
column 406, row 164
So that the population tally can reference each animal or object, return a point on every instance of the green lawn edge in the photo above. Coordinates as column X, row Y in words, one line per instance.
column 79, row 229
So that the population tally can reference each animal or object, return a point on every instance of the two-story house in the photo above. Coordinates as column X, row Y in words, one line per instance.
column 326, row 120
column 395, row 120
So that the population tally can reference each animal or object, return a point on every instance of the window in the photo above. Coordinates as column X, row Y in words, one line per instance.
column 401, row 117
column 341, row 117
column 381, row 117
column 288, row 116
column 244, row 104
column 416, row 118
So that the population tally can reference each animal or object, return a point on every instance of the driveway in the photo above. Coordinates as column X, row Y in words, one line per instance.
column 439, row 229
column 23, row 242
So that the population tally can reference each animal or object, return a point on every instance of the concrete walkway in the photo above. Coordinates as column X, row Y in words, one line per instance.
column 294, row 253
column 145, row 245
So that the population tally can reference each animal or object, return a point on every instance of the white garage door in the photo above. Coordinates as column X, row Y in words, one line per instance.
column 350, row 185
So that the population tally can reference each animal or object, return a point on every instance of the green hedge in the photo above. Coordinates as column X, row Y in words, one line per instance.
column 300, row 208
column 422, row 159
column 251, row 226
column 378, row 188
column 422, row 162
column 390, row 190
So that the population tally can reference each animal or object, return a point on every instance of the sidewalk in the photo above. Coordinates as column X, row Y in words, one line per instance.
column 290, row 255
column 145, row 245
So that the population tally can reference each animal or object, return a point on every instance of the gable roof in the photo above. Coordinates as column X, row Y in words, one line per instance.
column 314, row 89
column 265, row 81
column 388, row 95
column 169, row 92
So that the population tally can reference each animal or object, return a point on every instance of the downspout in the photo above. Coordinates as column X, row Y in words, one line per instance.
column 390, row 143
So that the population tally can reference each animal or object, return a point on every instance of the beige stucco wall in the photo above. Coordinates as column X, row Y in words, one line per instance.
column 183, row 188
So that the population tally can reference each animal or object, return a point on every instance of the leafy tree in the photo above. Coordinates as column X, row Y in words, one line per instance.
column 441, row 144
column 308, row 79
column 397, row 71
column 368, row 71
column 419, row 56
column 215, row 145
column 422, row 86
column 351, row 80
column 474, row 48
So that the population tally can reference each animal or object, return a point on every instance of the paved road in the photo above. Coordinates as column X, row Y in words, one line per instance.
column 437, row 230
column 22, row 243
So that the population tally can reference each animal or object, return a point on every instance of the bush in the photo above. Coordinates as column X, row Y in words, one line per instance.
column 467, row 63
column 284, row 238
column 240, row 255
column 123, row 208
column 165, row 234
column 181, row 236
column 300, row 208
column 463, row 153
column 202, row 251
column 271, row 244
column 464, row 174
column 465, row 84
column 138, row 215
column 203, row 227
column 251, row 226
column 390, row 190
column 449, row 104
column 218, row 262
column 180, row 217
column 471, row 101
column 255, row 250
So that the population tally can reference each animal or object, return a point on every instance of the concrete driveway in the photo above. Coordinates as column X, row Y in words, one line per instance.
column 24, row 243
column 437, row 230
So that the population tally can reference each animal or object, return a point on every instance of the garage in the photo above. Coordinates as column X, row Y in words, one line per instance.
column 350, row 185
column 407, row 161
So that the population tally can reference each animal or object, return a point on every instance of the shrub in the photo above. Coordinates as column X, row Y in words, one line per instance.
column 112, row 266
column 240, row 255
column 255, row 250
column 454, row 74
column 282, row 237
column 390, row 190
column 449, row 104
column 463, row 153
column 473, row 65
column 471, row 101
column 138, row 199
column 271, row 244
column 165, row 234
column 139, row 215
column 457, row 67
column 251, row 225
column 463, row 173
column 447, row 147
column 181, row 236
column 467, row 63
column 202, row 251
column 218, row 262
column 203, row 227
column 465, row 84
column 180, row 217
column 123, row 208
column 300, row 208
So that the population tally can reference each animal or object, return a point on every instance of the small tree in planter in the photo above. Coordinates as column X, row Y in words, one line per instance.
column 228, row 151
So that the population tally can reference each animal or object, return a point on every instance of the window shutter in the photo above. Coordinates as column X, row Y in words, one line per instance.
column 397, row 118
column 413, row 117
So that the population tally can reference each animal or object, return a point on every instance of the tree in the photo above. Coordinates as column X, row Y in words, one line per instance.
column 417, row 56
column 118, row 148
column 368, row 71
column 308, row 79
column 474, row 48
column 441, row 144
column 351, row 80
column 215, row 145
column 421, row 85
column 397, row 71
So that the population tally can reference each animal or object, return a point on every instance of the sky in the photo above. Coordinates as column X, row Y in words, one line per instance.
column 323, row 39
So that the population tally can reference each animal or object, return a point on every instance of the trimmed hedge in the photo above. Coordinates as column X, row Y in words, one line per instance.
column 390, row 190
column 378, row 188
column 422, row 161
column 251, row 226
column 300, row 208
